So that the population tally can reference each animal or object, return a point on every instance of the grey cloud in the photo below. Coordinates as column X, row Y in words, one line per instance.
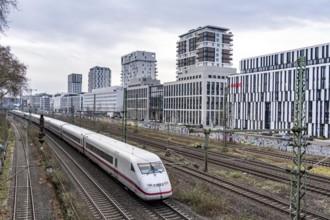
column 97, row 29
column 101, row 20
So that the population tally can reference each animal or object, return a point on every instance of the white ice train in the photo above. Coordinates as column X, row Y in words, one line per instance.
column 139, row 170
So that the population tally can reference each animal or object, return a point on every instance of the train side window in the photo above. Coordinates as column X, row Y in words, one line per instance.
column 109, row 159
column 115, row 162
column 132, row 168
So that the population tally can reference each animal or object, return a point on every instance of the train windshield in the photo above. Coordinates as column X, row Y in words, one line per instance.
column 154, row 167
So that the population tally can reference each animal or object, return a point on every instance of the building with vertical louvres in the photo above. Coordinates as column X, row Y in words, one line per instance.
column 262, row 95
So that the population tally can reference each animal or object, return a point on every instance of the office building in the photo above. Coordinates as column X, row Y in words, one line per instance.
column 262, row 95
column 99, row 77
column 136, row 65
column 145, row 99
column 67, row 102
column 106, row 101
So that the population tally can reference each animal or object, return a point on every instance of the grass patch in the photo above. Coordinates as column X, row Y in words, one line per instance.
column 235, row 175
column 327, row 212
column 267, row 185
column 5, row 175
column 231, row 175
column 271, row 186
column 321, row 171
column 202, row 201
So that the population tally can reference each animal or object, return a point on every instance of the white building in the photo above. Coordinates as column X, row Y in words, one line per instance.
column 203, row 65
column 45, row 103
column 108, row 100
column 99, row 77
column 72, row 102
column 74, row 83
column 138, row 64
column 198, row 97
column 262, row 95
column 37, row 103
column 64, row 102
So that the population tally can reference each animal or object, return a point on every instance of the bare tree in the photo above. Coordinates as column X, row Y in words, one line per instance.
column 12, row 73
column 5, row 6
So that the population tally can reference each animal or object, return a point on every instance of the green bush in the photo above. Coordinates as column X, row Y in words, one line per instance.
column 235, row 175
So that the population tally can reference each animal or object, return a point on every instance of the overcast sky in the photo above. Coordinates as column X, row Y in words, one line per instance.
column 57, row 38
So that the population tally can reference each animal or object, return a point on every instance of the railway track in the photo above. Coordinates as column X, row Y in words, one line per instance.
column 160, row 210
column 282, row 156
column 242, row 190
column 117, row 131
column 316, row 183
column 100, row 203
column 244, row 168
column 23, row 202
column 167, row 210
column 242, row 164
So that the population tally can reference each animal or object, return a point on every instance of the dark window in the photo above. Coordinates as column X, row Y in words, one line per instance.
column 74, row 138
column 100, row 153
column 132, row 168
column 267, row 115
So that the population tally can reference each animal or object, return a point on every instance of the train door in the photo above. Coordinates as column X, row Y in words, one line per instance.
column 83, row 143
column 116, row 165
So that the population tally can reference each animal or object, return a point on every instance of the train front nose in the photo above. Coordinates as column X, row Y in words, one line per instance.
column 156, row 188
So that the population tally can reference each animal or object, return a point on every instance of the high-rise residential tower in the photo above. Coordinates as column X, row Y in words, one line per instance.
column 99, row 77
column 136, row 65
column 74, row 83
column 204, row 46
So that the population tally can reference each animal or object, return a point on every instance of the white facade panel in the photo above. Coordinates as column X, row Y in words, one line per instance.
column 108, row 100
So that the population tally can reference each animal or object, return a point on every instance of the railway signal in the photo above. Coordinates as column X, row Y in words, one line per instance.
column 124, row 121
column 41, row 133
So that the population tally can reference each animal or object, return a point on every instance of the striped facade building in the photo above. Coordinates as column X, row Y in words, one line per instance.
column 262, row 95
